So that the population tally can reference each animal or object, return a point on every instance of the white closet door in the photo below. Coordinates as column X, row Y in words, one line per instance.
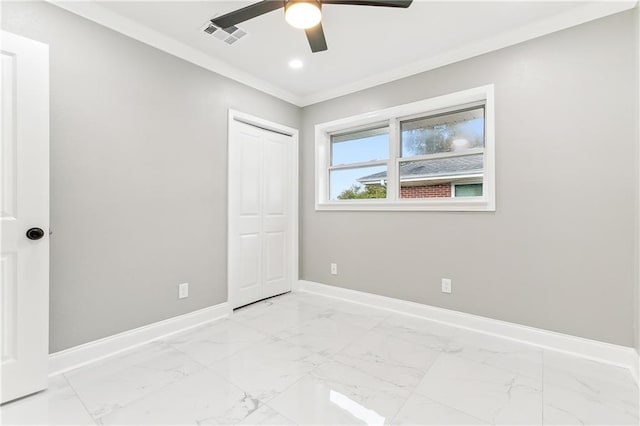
column 24, row 216
column 276, row 218
column 260, row 213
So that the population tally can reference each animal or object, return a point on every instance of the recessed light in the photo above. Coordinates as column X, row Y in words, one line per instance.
column 296, row 64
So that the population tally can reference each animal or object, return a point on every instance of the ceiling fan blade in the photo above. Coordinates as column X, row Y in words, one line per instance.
column 247, row 12
column 383, row 3
column 315, row 35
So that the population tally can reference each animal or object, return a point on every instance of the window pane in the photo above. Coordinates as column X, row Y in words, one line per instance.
column 363, row 182
column 469, row 190
column 360, row 147
column 450, row 132
column 433, row 178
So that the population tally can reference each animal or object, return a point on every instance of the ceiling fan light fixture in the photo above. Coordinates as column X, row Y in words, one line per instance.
column 302, row 14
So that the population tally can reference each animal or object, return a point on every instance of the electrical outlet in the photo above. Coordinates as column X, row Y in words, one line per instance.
column 183, row 290
column 334, row 269
column 446, row 285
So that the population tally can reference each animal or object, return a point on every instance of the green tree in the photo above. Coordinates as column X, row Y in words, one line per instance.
column 428, row 140
column 366, row 191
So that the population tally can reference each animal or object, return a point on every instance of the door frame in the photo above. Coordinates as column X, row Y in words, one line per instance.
column 235, row 117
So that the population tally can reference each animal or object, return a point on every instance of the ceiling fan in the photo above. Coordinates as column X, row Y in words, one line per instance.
column 303, row 14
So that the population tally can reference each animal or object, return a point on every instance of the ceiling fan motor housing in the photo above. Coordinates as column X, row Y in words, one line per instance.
column 303, row 14
column 315, row 2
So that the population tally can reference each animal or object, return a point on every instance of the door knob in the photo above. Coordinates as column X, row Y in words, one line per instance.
column 35, row 233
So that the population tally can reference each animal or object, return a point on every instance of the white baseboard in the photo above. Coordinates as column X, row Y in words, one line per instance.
column 68, row 359
column 635, row 369
column 608, row 353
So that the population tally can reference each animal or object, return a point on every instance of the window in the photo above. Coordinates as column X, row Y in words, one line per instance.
column 435, row 154
column 467, row 190
column 356, row 154
column 439, row 150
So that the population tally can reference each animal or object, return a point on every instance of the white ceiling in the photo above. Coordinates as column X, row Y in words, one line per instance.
column 367, row 45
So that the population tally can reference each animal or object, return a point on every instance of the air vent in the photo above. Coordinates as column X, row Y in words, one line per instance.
column 210, row 28
column 228, row 35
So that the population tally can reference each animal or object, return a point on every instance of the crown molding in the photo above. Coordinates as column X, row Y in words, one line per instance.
column 89, row 9
column 581, row 15
column 588, row 12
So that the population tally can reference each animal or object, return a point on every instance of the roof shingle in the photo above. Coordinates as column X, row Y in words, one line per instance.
column 440, row 167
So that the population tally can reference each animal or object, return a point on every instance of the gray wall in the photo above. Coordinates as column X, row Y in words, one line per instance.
column 138, row 175
column 138, row 185
column 559, row 251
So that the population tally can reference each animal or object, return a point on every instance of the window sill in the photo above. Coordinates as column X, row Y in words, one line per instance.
column 444, row 205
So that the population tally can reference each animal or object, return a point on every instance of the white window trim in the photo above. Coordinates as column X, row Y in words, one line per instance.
column 323, row 133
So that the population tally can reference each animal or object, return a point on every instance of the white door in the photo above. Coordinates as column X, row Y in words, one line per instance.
column 262, row 211
column 24, row 266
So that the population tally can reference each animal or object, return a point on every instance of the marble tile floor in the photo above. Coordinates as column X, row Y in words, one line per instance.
column 306, row 359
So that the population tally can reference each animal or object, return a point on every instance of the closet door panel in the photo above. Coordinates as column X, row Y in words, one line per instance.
column 276, row 216
column 245, row 221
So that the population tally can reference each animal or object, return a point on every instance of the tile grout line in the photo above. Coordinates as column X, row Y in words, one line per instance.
column 278, row 412
column 162, row 387
column 450, row 339
column 75, row 392
column 413, row 392
column 309, row 373
column 262, row 331
column 373, row 330
column 403, row 313
column 439, row 403
column 395, row 416
column 272, row 336
column 267, row 401
column 266, row 336
column 331, row 358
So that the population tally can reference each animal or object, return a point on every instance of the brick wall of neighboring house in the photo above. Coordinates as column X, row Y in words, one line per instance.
column 428, row 191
